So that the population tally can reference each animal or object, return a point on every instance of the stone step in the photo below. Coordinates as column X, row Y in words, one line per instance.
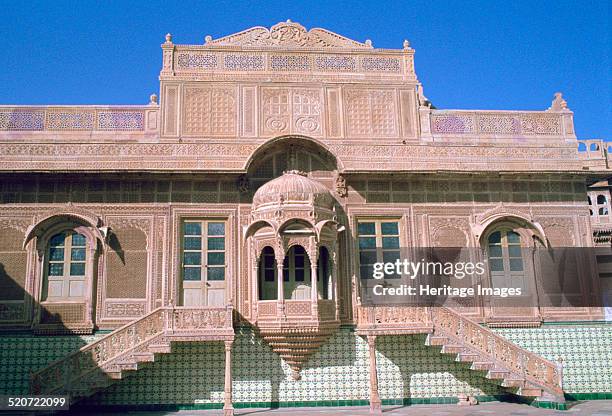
column 114, row 374
column 160, row 348
column 513, row 382
column 144, row 357
column 452, row 349
column 530, row 392
column 436, row 340
column 128, row 366
column 482, row 365
column 497, row 374
column 467, row 357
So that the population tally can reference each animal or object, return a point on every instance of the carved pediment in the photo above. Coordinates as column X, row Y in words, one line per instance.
column 288, row 35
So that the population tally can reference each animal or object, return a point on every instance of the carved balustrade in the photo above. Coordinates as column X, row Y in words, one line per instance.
column 94, row 356
column 200, row 323
column 392, row 320
column 511, row 123
column 79, row 118
column 521, row 362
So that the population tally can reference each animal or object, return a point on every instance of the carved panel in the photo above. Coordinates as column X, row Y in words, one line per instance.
column 559, row 231
column 297, row 308
column 380, row 64
column 334, row 113
column 335, row 63
column 58, row 313
column 195, row 60
column 171, row 110
column 408, row 108
column 124, row 310
column 209, row 111
column 371, row 113
column 244, row 62
column 30, row 119
column 249, row 111
column 286, row 110
column 487, row 123
column 121, row 120
column 12, row 311
column 190, row 319
column 289, row 63
column 288, row 34
column 276, row 110
column 70, row 119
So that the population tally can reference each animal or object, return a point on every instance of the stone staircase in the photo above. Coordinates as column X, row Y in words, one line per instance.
column 98, row 365
column 520, row 371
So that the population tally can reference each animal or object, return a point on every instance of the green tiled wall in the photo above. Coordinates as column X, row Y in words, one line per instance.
column 21, row 354
column 336, row 373
column 586, row 353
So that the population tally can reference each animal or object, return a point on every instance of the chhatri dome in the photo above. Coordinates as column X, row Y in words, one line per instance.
column 292, row 187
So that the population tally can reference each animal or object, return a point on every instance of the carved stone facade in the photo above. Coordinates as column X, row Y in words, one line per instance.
column 251, row 176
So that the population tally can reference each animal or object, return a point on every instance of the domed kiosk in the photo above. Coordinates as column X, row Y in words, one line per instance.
column 293, row 234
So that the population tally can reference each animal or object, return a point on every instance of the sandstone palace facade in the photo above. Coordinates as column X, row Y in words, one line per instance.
column 206, row 249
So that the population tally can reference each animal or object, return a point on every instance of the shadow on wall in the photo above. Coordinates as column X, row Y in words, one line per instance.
column 426, row 373
column 194, row 374
column 21, row 352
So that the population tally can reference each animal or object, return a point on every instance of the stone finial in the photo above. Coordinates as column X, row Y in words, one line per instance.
column 289, row 21
column 423, row 100
column 168, row 38
column 368, row 42
column 406, row 44
column 207, row 38
column 153, row 99
column 558, row 103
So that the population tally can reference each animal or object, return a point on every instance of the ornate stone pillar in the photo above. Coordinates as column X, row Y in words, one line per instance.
column 255, row 272
column 280, row 294
column 228, row 407
column 334, row 272
column 314, row 288
column 375, row 403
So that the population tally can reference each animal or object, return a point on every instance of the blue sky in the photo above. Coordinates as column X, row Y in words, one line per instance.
column 475, row 55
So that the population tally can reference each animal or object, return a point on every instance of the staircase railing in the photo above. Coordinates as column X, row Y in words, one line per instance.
column 100, row 354
column 92, row 357
column 530, row 366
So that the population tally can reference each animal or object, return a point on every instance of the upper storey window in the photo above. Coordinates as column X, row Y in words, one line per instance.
column 378, row 242
column 204, row 262
column 65, row 268
column 506, row 259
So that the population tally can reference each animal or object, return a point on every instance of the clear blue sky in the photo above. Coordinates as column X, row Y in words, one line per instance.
column 473, row 55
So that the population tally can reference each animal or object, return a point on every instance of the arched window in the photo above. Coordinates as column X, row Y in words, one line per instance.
column 296, row 274
column 603, row 211
column 601, row 199
column 66, row 267
column 506, row 263
column 589, row 199
column 324, row 274
column 268, row 281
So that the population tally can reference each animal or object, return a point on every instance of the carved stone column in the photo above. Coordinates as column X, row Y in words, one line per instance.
column 228, row 407
column 314, row 289
column 375, row 403
column 334, row 274
column 255, row 281
column 280, row 294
